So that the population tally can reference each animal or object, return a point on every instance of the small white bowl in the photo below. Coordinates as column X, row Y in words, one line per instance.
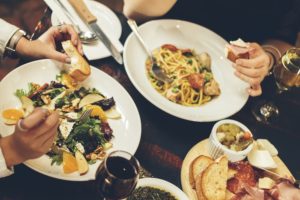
column 216, row 149
column 163, row 185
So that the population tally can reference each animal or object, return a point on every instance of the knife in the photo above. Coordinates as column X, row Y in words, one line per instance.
column 91, row 21
column 275, row 176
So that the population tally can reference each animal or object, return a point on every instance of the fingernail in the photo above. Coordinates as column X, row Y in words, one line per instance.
column 75, row 42
column 68, row 60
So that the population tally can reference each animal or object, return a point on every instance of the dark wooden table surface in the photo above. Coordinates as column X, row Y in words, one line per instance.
column 165, row 139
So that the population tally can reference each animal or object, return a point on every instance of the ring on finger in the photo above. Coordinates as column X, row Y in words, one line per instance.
column 59, row 28
column 19, row 125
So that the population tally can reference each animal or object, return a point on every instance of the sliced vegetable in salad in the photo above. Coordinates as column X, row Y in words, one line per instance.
column 81, row 140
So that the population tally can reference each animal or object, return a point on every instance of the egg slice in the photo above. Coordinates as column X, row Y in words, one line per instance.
column 12, row 115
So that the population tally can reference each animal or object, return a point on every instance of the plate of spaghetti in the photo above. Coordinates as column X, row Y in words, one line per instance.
column 193, row 82
column 203, row 87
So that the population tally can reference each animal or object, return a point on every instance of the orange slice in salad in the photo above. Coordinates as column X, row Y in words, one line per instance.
column 69, row 163
column 97, row 111
column 12, row 115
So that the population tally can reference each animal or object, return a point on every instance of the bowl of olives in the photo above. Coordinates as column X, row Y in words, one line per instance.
column 231, row 138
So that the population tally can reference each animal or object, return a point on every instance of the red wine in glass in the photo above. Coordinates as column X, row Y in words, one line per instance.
column 117, row 175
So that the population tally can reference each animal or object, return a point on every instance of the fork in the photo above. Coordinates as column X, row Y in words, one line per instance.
column 85, row 115
column 157, row 71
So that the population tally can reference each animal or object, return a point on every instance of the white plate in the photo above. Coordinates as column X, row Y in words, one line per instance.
column 163, row 185
column 127, row 130
column 186, row 35
column 107, row 20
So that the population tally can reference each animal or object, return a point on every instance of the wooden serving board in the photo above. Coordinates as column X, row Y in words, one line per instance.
column 201, row 149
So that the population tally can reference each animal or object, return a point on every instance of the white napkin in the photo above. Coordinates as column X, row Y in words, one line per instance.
column 92, row 51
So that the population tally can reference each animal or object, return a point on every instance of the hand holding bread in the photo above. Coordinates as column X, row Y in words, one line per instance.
column 251, row 63
column 46, row 45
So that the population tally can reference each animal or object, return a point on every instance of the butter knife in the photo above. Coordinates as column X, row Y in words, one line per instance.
column 91, row 21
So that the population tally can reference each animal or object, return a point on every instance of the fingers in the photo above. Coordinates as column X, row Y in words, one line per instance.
column 35, row 118
column 71, row 33
column 49, row 124
column 46, row 139
column 255, row 90
column 61, row 57
column 247, row 71
column 254, row 62
column 248, row 79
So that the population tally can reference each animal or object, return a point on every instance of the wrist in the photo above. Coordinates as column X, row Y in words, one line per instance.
column 23, row 47
column 10, row 153
column 10, row 49
column 274, row 55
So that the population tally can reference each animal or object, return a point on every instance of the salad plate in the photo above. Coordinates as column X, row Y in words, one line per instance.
column 126, row 130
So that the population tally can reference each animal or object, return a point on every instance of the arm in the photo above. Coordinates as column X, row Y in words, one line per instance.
column 141, row 10
column 6, row 32
column 45, row 46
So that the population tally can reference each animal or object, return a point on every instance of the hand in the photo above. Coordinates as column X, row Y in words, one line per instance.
column 32, row 138
column 45, row 45
column 254, row 69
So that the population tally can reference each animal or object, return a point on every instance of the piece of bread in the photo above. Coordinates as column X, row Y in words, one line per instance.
column 214, row 180
column 237, row 49
column 80, row 67
column 198, row 165
column 198, row 183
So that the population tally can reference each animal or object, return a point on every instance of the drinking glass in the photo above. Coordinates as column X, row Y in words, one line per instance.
column 286, row 74
column 117, row 175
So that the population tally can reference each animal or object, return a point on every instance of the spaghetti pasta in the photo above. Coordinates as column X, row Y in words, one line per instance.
column 193, row 82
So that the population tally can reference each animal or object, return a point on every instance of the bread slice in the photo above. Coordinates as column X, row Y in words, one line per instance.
column 214, row 180
column 198, row 165
column 80, row 67
column 237, row 49
column 199, row 192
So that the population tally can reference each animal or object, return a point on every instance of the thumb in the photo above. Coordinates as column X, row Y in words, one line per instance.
column 55, row 55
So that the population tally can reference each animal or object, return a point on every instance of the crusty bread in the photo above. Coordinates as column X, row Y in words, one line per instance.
column 237, row 49
column 80, row 68
column 214, row 180
column 198, row 183
column 197, row 166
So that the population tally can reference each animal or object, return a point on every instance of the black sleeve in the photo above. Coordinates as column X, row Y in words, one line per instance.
column 289, row 24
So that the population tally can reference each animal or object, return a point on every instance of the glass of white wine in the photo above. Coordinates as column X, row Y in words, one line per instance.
column 287, row 75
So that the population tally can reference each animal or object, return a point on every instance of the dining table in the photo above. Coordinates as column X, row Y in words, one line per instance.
column 165, row 139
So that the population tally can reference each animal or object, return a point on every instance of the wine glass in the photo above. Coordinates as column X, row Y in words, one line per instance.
column 286, row 74
column 117, row 175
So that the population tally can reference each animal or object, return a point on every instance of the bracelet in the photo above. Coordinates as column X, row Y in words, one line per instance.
column 10, row 49
column 274, row 54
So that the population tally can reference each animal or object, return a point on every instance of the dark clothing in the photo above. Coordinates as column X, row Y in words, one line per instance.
column 252, row 20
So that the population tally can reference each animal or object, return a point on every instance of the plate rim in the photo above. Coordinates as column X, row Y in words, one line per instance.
column 137, row 125
column 147, row 96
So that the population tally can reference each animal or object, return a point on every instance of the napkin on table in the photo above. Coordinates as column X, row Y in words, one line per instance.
column 92, row 51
